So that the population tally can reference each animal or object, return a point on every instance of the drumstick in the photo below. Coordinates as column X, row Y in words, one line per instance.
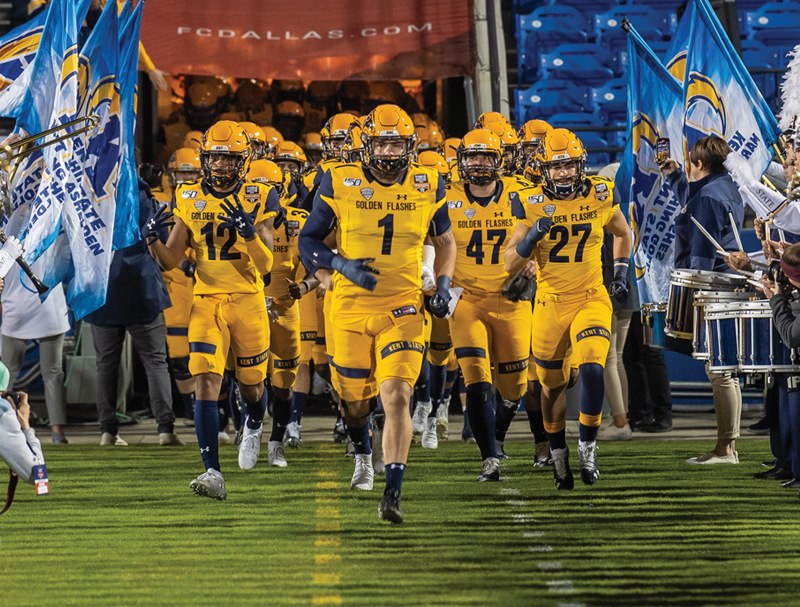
column 781, row 235
column 707, row 235
column 735, row 232
column 746, row 273
column 756, row 283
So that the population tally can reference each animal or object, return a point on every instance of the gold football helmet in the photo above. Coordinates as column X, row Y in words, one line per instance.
column 223, row 154
column 486, row 147
column 558, row 152
column 266, row 171
column 183, row 166
column 384, row 126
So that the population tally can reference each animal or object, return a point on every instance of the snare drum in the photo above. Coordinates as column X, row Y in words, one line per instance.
column 683, row 285
column 653, row 318
column 760, row 345
column 723, row 326
column 700, row 342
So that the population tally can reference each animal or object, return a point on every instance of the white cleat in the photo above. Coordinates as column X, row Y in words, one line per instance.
column 587, row 456
column 250, row 447
column 442, row 421
column 291, row 439
column 223, row 437
column 419, row 419
column 363, row 475
column 319, row 385
column 542, row 457
column 612, row 432
column 430, row 440
column 277, row 457
column 209, row 484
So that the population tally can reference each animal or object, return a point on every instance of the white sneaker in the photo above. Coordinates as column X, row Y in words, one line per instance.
column 612, row 432
column 418, row 420
column 319, row 385
column 587, row 456
column 363, row 475
column 442, row 420
column 291, row 438
column 276, row 455
column 223, row 437
column 430, row 439
column 710, row 458
column 209, row 484
column 250, row 447
column 108, row 439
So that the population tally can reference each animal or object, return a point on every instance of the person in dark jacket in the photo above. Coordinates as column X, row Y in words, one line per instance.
column 135, row 301
column 788, row 326
column 711, row 198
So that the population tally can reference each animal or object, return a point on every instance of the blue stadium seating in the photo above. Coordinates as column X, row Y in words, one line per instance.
column 610, row 101
column 549, row 97
column 774, row 24
column 651, row 25
column 659, row 48
column 543, row 31
column 590, row 64
column 589, row 139
column 756, row 54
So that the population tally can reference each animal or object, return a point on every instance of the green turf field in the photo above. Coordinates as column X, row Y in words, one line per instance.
column 122, row 528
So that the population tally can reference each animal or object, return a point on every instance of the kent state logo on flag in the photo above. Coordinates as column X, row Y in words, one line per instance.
column 19, row 49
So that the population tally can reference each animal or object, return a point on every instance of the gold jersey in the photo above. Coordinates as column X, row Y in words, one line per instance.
column 223, row 264
column 481, row 230
column 284, row 251
column 387, row 223
column 324, row 167
column 569, row 258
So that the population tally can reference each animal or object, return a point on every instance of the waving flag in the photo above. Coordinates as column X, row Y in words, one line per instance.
column 17, row 53
column 84, row 250
column 720, row 97
column 655, row 110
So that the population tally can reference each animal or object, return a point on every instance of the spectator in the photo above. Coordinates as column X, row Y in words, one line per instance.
column 26, row 317
column 135, row 302
column 19, row 447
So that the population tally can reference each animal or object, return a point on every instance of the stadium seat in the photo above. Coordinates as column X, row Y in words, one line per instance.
column 590, row 139
column 549, row 97
column 587, row 64
column 774, row 24
column 659, row 48
column 651, row 25
column 610, row 101
column 585, row 6
column 758, row 55
column 543, row 31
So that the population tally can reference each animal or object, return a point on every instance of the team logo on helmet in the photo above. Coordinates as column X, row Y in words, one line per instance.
column 367, row 192
column 549, row 209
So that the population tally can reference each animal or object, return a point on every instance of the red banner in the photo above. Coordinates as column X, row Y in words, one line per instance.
column 312, row 39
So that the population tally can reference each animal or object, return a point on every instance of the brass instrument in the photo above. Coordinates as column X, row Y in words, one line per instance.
column 793, row 191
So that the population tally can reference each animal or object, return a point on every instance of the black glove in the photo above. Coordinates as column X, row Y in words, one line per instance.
column 156, row 222
column 280, row 218
column 242, row 221
column 440, row 302
column 536, row 233
column 357, row 271
column 619, row 285
column 188, row 268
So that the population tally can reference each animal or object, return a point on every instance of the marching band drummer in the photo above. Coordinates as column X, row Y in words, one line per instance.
column 711, row 198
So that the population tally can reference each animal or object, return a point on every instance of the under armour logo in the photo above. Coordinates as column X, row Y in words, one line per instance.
column 205, row 449
column 498, row 214
column 402, row 197
column 538, row 301
column 585, row 208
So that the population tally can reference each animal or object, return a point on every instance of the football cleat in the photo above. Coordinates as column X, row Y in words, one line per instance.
column 223, row 437
column 542, row 457
column 319, row 385
column 419, row 419
column 363, row 474
column 250, row 447
column 350, row 449
column 491, row 470
column 209, row 484
column 378, row 465
column 562, row 474
column 291, row 438
column 442, row 421
column 339, row 431
column 587, row 456
column 276, row 455
column 498, row 446
column 430, row 440
column 389, row 510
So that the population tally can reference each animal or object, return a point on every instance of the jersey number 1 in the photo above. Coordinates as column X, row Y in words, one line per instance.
column 224, row 253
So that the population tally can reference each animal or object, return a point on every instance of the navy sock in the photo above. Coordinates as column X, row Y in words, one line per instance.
column 361, row 439
column 505, row 415
column 255, row 411
column 451, row 376
column 481, row 417
column 206, row 426
column 394, row 476
column 437, row 380
column 188, row 405
column 235, row 403
column 281, row 412
column 592, row 393
column 536, row 423
column 558, row 440
column 422, row 390
column 299, row 400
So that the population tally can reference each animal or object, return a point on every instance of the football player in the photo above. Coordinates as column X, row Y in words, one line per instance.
column 510, row 140
column 228, row 223
column 258, row 141
column 486, row 327
column 292, row 161
column 312, row 144
column 380, row 213
column 564, row 230
column 530, row 135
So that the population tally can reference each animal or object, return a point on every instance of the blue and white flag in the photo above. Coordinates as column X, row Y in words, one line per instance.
column 720, row 97
column 655, row 110
column 84, row 250
column 17, row 53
